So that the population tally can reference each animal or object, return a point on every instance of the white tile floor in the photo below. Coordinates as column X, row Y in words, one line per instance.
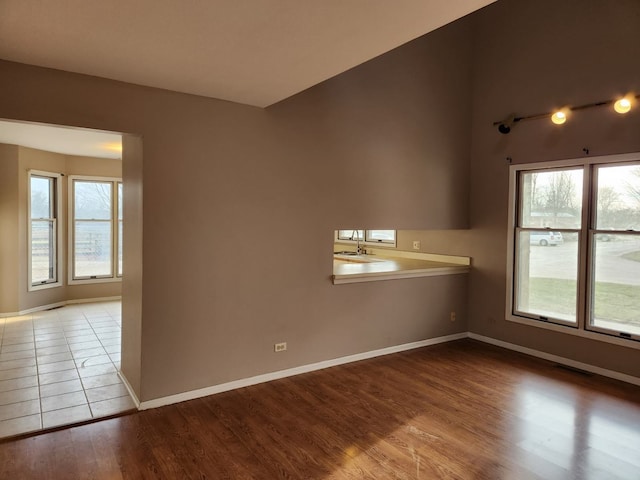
column 59, row 367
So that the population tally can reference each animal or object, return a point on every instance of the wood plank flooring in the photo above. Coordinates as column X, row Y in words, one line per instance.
column 462, row 410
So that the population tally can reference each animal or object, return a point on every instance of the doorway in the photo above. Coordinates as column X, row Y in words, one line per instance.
column 62, row 339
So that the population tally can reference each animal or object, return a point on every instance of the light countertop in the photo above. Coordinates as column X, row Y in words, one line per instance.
column 391, row 266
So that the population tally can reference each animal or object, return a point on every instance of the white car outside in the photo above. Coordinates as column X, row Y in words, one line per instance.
column 546, row 238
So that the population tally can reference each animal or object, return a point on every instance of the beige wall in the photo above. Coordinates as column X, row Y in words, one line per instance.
column 532, row 57
column 9, row 244
column 16, row 296
column 240, row 205
column 449, row 242
column 96, row 167
column 386, row 144
column 52, row 162
column 131, row 356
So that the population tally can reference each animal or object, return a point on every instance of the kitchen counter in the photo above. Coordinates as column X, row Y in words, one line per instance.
column 395, row 265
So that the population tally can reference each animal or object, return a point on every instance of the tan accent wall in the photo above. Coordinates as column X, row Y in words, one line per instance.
column 16, row 163
column 9, row 241
column 449, row 242
column 532, row 57
column 96, row 167
column 32, row 159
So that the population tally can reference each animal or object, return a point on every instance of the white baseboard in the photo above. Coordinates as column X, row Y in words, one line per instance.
column 49, row 306
column 267, row 377
column 127, row 385
column 94, row 300
column 557, row 359
column 34, row 309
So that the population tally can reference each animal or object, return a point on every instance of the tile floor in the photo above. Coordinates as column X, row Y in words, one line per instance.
column 59, row 367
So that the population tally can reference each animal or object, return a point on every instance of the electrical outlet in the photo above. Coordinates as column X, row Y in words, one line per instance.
column 280, row 347
column 452, row 316
column 416, row 244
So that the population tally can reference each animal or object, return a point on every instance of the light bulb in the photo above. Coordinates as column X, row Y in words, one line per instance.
column 559, row 117
column 623, row 105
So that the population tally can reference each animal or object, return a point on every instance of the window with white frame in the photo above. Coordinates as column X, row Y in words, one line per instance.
column 574, row 245
column 43, row 205
column 387, row 237
column 95, row 229
column 120, row 203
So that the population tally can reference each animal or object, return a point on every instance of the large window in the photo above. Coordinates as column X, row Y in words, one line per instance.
column 43, row 230
column 95, row 229
column 574, row 245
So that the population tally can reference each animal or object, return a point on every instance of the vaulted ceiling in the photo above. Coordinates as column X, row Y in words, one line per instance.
column 255, row 52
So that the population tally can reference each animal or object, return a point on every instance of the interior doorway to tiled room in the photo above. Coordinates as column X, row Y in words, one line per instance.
column 60, row 367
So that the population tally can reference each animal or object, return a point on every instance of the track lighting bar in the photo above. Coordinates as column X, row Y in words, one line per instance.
column 560, row 116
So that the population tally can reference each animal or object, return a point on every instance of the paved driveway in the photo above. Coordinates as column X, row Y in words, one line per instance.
column 560, row 261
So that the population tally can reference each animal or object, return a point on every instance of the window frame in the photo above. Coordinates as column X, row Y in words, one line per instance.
column 57, row 236
column 367, row 239
column 119, row 223
column 517, row 229
column 582, row 327
column 113, row 276
column 592, row 231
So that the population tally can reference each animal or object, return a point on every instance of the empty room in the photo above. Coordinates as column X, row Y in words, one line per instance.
column 320, row 240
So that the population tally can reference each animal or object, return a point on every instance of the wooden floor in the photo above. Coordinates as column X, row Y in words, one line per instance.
column 459, row 410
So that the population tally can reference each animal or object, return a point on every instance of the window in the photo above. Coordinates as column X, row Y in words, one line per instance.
column 95, row 229
column 120, row 223
column 351, row 235
column 574, row 245
column 387, row 237
column 43, row 230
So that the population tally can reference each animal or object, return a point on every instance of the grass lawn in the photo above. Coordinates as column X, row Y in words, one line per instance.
column 613, row 301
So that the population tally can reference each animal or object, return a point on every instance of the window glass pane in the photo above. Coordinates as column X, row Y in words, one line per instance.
column 119, row 201
column 42, row 251
column 616, row 282
column 350, row 234
column 547, row 272
column 120, row 248
column 92, row 247
column 383, row 236
column 41, row 197
column 92, row 200
column 618, row 198
column 551, row 199
column 120, row 223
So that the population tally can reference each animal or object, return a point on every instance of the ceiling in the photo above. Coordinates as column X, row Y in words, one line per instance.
column 255, row 52
column 66, row 140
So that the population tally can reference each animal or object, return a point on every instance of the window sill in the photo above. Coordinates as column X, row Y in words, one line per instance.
column 575, row 331
column 93, row 280
column 43, row 286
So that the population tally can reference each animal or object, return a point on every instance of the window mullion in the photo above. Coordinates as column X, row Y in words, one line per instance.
column 584, row 242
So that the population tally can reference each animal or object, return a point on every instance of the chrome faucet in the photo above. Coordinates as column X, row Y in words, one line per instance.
column 356, row 234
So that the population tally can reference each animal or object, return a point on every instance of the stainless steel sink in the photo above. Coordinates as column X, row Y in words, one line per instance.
column 353, row 257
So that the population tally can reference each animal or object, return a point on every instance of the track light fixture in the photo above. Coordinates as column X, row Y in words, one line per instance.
column 506, row 125
column 624, row 104
column 558, row 117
